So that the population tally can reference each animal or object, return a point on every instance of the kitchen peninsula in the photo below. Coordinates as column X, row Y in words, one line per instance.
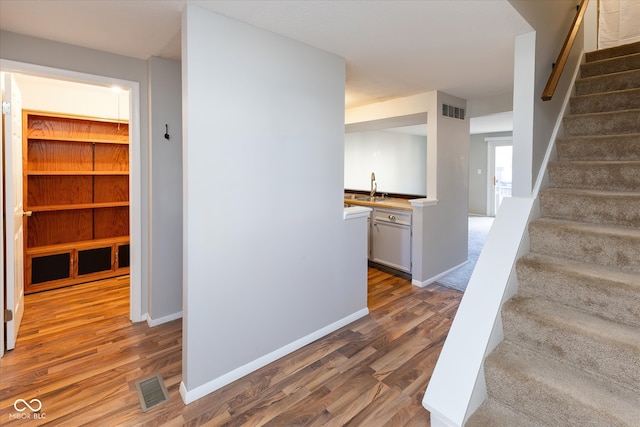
column 390, row 229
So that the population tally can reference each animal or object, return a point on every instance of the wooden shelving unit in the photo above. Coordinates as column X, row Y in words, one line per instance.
column 76, row 188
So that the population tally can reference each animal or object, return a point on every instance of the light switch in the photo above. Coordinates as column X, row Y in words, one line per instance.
column 479, row 171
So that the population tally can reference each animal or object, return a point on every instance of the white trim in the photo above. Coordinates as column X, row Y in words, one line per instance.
column 2, row 281
column 438, row 276
column 454, row 378
column 189, row 396
column 497, row 139
column 164, row 319
column 354, row 212
column 423, row 203
column 135, row 184
column 439, row 420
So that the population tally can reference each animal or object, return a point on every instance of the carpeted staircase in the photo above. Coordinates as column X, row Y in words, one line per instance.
column 571, row 349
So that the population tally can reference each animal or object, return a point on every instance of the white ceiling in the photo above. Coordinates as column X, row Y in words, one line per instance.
column 392, row 48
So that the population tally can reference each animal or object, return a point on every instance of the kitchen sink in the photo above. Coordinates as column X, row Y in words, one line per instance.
column 364, row 198
column 370, row 199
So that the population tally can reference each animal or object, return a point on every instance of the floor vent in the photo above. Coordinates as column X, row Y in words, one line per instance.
column 152, row 392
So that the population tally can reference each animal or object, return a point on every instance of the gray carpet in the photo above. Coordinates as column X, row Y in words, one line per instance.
column 479, row 227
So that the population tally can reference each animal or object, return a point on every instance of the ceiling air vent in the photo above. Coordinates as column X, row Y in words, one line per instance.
column 453, row 112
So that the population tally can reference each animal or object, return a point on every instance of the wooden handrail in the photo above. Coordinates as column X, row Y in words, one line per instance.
column 554, row 78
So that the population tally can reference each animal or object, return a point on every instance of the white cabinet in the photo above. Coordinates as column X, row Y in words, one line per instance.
column 390, row 239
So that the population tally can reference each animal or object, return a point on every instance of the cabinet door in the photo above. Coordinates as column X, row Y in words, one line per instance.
column 50, row 267
column 123, row 256
column 391, row 245
column 95, row 260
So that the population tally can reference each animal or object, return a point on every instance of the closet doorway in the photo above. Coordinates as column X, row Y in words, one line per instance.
column 71, row 88
column 75, row 191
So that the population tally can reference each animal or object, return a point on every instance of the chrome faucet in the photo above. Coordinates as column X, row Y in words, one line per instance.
column 374, row 185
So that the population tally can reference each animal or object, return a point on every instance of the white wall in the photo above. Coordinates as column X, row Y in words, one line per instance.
column 489, row 105
column 263, row 161
column 165, row 190
column 398, row 160
column 445, row 225
column 45, row 94
column 535, row 53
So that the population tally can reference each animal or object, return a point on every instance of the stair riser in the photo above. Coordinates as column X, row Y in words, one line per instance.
column 539, row 401
column 595, row 176
column 614, row 300
column 622, row 122
column 622, row 211
column 493, row 413
column 613, row 250
column 602, row 148
column 612, row 65
column 588, row 351
column 612, row 52
column 614, row 101
column 608, row 82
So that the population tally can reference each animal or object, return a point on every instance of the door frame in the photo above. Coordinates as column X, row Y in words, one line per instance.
column 492, row 143
column 2, row 240
column 135, row 186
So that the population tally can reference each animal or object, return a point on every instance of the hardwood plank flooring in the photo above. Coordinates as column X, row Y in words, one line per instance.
column 80, row 356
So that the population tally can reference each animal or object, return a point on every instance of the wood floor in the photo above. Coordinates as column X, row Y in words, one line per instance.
column 80, row 356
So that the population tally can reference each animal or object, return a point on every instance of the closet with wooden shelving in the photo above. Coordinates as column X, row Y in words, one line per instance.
column 76, row 199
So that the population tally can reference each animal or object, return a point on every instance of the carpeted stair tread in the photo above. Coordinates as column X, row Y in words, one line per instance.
column 494, row 413
column 604, row 123
column 608, row 101
column 600, row 147
column 604, row 291
column 595, row 175
column 617, row 247
column 608, row 82
column 557, row 394
column 610, row 65
column 598, row 346
column 593, row 206
column 612, row 52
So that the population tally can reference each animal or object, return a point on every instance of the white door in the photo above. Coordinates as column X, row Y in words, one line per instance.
column 500, row 154
column 14, row 291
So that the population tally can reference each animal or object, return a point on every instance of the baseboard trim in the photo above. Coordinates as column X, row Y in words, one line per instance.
column 439, row 420
column 143, row 317
column 436, row 277
column 164, row 319
column 189, row 396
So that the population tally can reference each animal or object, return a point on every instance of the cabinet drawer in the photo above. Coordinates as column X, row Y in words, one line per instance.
column 392, row 215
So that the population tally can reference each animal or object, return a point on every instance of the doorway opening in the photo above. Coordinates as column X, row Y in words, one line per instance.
column 499, row 172
column 128, row 110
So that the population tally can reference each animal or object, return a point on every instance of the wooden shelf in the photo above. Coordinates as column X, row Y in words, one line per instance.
column 76, row 183
column 74, row 173
column 79, row 140
column 76, row 206
column 80, row 245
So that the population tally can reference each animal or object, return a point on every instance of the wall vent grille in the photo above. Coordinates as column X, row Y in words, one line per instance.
column 453, row 112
